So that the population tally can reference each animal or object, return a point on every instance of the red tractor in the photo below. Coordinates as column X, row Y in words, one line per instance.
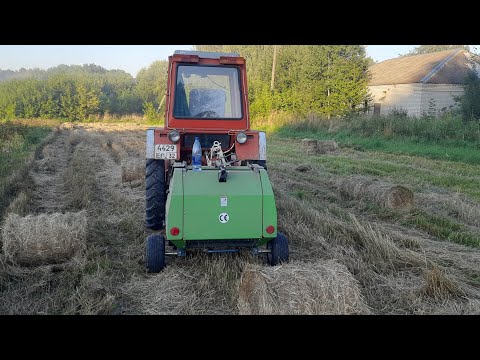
column 207, row 98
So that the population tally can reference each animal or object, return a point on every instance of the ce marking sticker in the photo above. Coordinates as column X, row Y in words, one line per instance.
column 223, row 218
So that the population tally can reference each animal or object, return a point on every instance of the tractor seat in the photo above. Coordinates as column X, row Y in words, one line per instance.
column 207, row 101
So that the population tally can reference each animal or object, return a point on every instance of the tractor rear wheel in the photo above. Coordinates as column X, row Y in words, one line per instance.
column 278, row 250
column 155, row 194
column 155, row 255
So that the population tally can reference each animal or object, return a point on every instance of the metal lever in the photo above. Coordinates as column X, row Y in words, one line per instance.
column 222, row 174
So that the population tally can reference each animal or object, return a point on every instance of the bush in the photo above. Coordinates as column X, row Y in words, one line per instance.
column 447, row 127
column 150, row 112
column 470, row 101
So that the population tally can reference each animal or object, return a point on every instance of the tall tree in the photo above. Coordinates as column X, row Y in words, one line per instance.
column 469, row 102
column 151, row 82
column 326, row 80
column 274, row 64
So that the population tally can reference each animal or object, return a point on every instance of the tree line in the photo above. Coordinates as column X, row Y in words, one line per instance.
column 76, row 92
column 328, row 80
column 323, row 80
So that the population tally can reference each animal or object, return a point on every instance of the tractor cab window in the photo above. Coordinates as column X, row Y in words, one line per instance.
column 211, row 92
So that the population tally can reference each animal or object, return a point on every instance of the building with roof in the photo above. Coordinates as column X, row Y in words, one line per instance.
column 420, row 84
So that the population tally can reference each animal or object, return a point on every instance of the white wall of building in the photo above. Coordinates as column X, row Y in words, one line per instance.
column 415, row 98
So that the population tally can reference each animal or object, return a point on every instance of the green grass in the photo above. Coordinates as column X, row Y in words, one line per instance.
column 450, row 150
column 415, row 171
column 438, row 226
column 443, row 228
column 445, row 138
column 17, row 142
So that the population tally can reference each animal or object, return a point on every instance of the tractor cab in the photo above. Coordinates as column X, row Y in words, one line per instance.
column 229, row 204
column 207, row 98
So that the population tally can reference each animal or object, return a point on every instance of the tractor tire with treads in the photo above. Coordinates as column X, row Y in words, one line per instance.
column 279, row 250
column 155, row 255
column 155, row 194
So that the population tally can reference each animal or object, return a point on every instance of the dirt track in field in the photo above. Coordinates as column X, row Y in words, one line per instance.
column 100, row 168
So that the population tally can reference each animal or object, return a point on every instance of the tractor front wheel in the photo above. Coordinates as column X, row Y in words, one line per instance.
column 278, row 250
column 155, row 256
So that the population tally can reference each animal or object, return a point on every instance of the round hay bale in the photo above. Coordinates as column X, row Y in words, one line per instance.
column 353, row 187
column 323, row 287
column 395, row 197
column 325, row 146
column 381, row 193
column 45, row 238
column 309, row 146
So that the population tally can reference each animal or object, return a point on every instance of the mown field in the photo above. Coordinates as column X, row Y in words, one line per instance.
column 18, row 141
column 348, row 256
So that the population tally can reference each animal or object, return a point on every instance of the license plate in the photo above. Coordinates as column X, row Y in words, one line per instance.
column 166, row 152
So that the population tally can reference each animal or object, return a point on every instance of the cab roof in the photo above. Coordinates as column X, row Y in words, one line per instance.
column 205, row 54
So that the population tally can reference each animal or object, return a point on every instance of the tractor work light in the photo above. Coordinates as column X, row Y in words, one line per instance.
column 231, row 60
column 174, row 136
column 241, row 138
column 186, row 58
column 150, row 150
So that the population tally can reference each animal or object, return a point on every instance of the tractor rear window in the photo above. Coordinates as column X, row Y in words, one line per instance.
column 207, row 92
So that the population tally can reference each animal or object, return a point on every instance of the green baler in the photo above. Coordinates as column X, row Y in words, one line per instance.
column 218, row 217
column 207, row 211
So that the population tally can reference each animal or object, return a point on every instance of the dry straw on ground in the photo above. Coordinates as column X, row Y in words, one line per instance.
column 45, row 238
column 48, row 151
column 323, row 287
column 400, row 270
column 198, row 284
column 303, row 167
column 80, row 177
column 133, row 172
column 45, row 164
column 76, row 137
column 439, row 285
column 20, row 205
column 379, row 192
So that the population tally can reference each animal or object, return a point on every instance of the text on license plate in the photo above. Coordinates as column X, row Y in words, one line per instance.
column 165, row 151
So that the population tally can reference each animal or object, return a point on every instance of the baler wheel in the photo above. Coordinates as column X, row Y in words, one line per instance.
column 155, row 255
column 279, row 250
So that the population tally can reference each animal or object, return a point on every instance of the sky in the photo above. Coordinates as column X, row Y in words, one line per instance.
column 384, row 52
column 130, row 58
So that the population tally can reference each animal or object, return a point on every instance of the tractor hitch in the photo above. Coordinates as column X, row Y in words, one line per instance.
column 222, row 174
